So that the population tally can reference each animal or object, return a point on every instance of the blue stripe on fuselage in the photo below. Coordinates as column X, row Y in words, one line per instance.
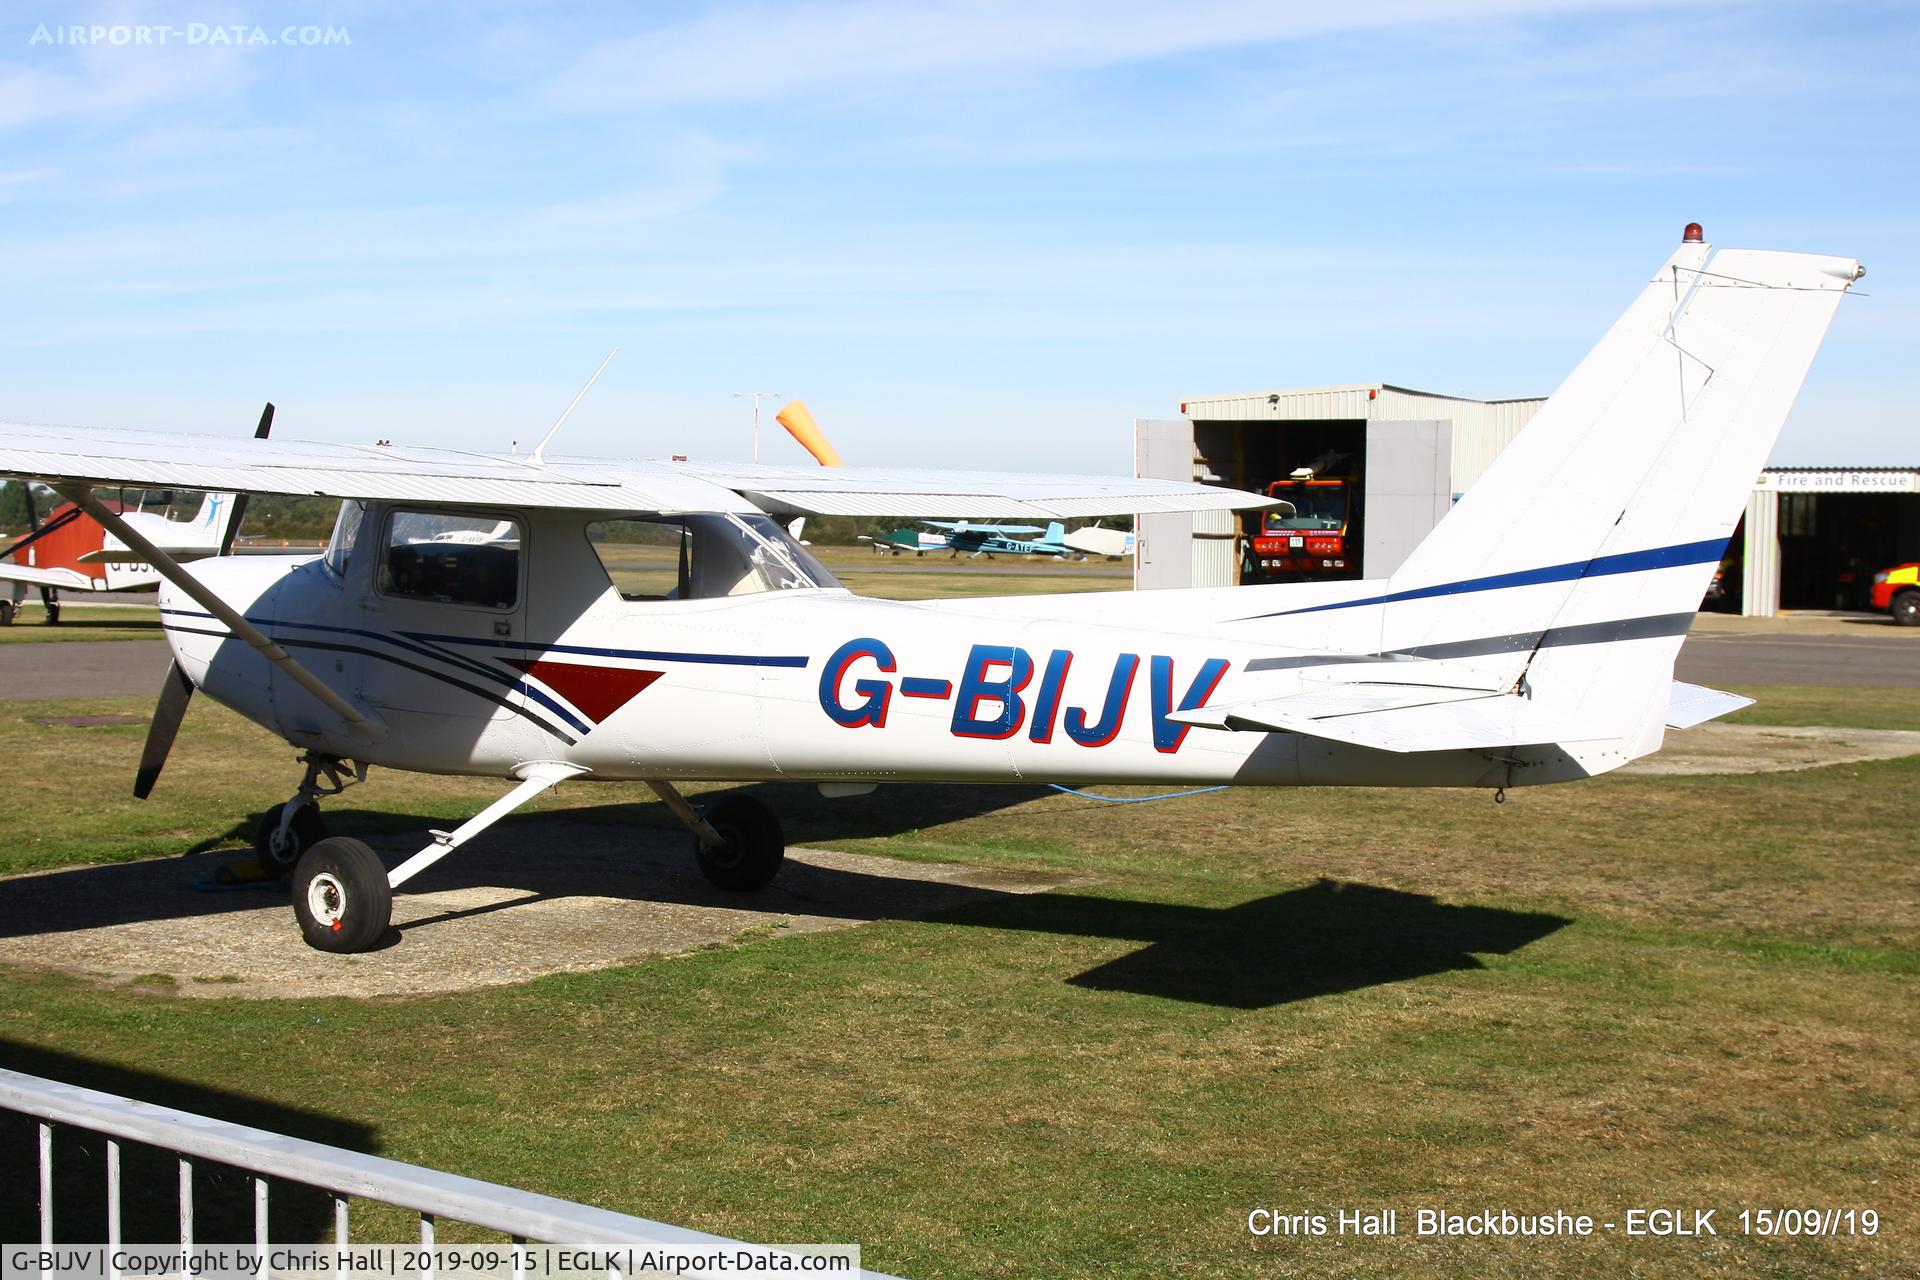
column 1599, row 567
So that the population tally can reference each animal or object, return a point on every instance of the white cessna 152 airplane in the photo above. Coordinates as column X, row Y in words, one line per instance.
column 462, row 622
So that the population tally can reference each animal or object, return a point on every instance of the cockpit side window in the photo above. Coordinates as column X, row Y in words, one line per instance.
column 346, row 531
column 702, row 556
column 452, row 558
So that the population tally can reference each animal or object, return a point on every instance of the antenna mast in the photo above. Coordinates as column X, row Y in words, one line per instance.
column 538, row 457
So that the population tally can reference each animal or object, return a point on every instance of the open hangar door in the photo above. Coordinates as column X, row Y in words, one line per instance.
column 1330, row 515
column 1815, row 536
column 1398, row 458
column 1831, row 544
column 1378, row 488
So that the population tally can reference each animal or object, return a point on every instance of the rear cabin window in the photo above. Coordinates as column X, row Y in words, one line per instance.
column 702, row 556
column 452, row 559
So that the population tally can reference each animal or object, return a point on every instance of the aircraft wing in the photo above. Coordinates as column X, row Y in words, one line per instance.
column 176, row 460
column 874, row 491
column 399, row 473
column 64, row 579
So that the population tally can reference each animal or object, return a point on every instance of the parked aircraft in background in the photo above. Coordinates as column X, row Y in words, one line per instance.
column 959, row 537
column 71, row 551
column 1529, row 639
column 1097, row 540
column 918, row 541
column 968, row 538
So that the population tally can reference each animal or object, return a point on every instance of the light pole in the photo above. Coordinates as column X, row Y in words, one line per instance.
column 757, row 395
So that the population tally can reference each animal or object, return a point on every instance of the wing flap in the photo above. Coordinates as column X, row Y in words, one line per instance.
column 64, row 579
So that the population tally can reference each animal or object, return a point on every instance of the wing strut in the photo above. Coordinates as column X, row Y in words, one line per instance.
column 360, row 723
column 535, row 777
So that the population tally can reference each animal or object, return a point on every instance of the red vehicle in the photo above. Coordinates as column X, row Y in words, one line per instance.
column 1308, row 536
column 1897, row 590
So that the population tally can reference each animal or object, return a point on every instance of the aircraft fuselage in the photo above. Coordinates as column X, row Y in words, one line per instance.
column 810, row 684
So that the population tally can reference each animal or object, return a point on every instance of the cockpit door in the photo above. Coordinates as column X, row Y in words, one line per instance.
column 445, row 612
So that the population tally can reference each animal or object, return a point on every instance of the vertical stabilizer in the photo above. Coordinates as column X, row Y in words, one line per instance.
column 1576, row 563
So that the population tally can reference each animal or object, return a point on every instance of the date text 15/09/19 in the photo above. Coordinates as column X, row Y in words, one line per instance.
column 1502, row 1223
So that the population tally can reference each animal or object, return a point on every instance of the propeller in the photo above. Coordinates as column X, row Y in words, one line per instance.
column 240, row 499
column 177, row 691
column 167, row 714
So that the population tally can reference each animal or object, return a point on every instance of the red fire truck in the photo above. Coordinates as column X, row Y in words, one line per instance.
column 1307, row 534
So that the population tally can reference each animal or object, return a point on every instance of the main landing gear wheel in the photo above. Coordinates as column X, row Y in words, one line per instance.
column 754, row 845
column 277, row 854
column 341, row 896
column 6, row 613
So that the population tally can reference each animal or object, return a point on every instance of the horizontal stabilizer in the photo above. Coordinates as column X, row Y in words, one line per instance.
column 64, row 579
column 1692, row 704
column 124, row 555
column 1400, row 718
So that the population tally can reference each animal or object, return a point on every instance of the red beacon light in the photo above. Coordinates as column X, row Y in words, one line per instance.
column 1693, row 234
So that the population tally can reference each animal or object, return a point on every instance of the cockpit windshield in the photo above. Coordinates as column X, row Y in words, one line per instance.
column 703, row 556
column 346, row 531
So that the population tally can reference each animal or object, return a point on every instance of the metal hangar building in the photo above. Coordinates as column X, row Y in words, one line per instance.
column 1389, row 461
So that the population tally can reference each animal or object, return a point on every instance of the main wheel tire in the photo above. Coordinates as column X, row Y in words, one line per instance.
column 341, row 896
column 307, row 830
column 53, row 614
column 1906, row 609
column 6, row 613
column 754, row 849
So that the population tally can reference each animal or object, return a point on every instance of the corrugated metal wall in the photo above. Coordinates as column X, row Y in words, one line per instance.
column 1481, row 428
column 1760, row 560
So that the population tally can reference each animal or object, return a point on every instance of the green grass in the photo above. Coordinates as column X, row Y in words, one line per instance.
column 81, row 622
column 1847, row 708
column 1634, row 991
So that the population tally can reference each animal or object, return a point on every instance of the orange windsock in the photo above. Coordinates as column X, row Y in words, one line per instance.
column 800, row 425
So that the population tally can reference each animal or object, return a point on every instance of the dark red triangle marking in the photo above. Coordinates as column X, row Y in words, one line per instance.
column 597, row 691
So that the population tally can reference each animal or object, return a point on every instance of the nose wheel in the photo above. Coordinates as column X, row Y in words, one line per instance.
column 287, row 831
column 279, row 841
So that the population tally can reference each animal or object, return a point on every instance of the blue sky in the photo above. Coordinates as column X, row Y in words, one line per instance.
column 967, row 234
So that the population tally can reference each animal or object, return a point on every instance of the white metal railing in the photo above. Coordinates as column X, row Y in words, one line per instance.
column 345, row 1175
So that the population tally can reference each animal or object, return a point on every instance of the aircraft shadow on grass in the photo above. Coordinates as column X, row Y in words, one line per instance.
column 1317, row 940
column 223, row 1196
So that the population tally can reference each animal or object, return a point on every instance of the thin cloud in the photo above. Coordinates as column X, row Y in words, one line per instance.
column 48, row 82
column 756, row 53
